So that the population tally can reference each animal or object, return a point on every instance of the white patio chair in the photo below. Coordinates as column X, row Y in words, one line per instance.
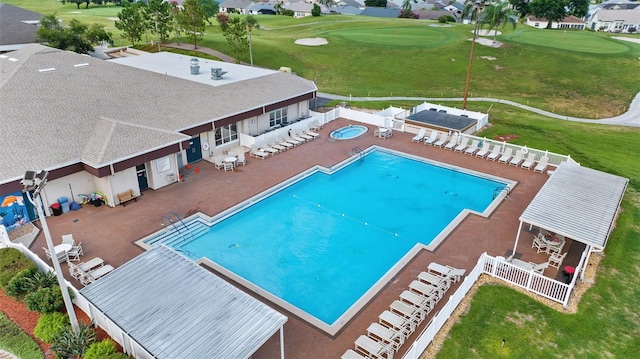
column 75, row 252
column 555, row 260
column 242, row 159
column 68, row 238
column 539, row 243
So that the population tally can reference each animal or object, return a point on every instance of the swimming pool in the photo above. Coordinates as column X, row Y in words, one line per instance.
column 323, row 244
column 348, row 132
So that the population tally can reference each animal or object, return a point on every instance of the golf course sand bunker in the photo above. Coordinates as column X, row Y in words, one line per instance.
column 315, row 41
column 487, row 42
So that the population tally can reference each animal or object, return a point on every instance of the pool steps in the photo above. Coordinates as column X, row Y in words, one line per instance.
column 175, row 236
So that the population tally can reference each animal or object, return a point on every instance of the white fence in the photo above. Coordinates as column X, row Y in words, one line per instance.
column 498, row 268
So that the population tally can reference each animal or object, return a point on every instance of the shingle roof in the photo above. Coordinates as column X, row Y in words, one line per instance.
column 17, row 26
column 177, row 309
column 628, row 16
column 100, row 112
column 579, row 203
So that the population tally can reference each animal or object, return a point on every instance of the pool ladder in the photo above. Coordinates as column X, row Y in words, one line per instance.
column 358, row 151
column 170, row 218
column 498, row 190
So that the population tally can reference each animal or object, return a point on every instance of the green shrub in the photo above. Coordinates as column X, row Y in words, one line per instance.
column 73, row 345
column 100, row 350
column 20, row 284
column 446, row 18
column 45, row 300
column 50, row 326
column 12, row 262
column 117, row 356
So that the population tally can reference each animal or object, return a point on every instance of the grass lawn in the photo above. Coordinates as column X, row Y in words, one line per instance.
column 576, row 73
column 16, row 341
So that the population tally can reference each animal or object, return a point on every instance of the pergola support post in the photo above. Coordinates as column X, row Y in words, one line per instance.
column 282, row 342
column 515, row 245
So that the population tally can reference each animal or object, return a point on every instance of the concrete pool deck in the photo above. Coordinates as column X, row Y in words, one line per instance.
column 111, row 233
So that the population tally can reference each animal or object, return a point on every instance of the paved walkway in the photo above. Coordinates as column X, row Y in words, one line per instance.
column 629, row 118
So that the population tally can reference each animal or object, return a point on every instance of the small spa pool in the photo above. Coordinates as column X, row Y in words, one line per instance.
column 348, row 132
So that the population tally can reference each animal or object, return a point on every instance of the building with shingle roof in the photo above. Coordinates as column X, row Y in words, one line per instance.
column 103, row 126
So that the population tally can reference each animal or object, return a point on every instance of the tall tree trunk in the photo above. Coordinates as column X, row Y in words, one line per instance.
column 250, row 50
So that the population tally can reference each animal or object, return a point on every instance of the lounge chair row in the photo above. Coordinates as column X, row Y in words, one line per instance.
column 385, row 337
column 483, row 149
column 90, row 271
column 282, row 144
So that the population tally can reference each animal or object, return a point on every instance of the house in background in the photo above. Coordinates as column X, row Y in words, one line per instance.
column 615, row 20
column 569, row 22
column 18, row 27
column 235, row 6
column 131, row 123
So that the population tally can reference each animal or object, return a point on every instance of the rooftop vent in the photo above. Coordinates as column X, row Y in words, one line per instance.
column 216, row 73
column 195, row 66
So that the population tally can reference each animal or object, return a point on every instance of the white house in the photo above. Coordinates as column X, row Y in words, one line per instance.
column 569, row 22
column 616, row 20
column 235, row 6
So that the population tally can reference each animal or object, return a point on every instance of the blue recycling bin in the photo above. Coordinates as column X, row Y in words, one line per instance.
column 64, row 203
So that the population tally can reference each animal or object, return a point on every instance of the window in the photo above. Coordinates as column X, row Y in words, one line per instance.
column 278, row 117
column 226, row 134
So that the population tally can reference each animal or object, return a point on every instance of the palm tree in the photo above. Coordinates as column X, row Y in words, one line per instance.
column 251, row 23
column 498, row 15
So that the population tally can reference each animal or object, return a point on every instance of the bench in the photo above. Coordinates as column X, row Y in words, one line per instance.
column 126, row 197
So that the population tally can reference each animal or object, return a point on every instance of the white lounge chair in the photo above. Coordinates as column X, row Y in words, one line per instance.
column 506, row 156
column 96, row 274
column 425, row 290
column 529, row 161
column 380, row 333
column 372, row 348
column 304, row 136
column 517, row 159
column 278, row 147
column 396, row 322
column 434, row 280
column 442, row 140
column 311, row 133
column 484, row 151
column 542, row 164
column 255, row 152
column 462, row 146
column 294, row 141
column 452, row 143
column 351, row 354
column 471, row 150
column 78, row 270
column 431, row 139
column 419, row 136
column 407, row 311
column 495, row 153
column 419, row 301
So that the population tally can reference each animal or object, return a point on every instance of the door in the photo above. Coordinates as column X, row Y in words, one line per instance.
column 141, row 171
column 194, row 152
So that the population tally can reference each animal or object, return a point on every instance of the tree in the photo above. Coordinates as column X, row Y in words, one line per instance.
column 131, row 21
column 192, row 21
column 209, row 9
column 406, row 5
column 78, row 37
column 252, row 23
column 498, row 15
column 551, row 10
column 327, row 3
column 375, row 3
column 176, row 15
column 316, row 10
column 158, row 15
column 235, row 31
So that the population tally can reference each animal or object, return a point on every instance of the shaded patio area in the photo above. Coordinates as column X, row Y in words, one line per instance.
column 110, row 233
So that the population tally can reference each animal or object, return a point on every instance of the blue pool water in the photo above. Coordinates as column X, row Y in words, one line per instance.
column 348, row 132
column 321, row 243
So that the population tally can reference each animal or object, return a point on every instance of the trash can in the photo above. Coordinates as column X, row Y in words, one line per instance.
column 56, row 209
column 64, row 203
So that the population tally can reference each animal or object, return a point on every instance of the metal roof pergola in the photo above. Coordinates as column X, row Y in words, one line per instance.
column 176, row 309
column 577, row 202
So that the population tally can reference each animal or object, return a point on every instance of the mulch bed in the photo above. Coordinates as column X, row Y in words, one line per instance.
column 27, row 320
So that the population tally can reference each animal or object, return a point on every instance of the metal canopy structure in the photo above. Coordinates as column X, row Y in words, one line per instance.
column 579, row 203
column 176, row 309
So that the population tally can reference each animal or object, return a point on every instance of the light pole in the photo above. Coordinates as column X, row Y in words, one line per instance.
column 477, row 8
column 35, row 181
